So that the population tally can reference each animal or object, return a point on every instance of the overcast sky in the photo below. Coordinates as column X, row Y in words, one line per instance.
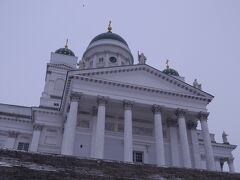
column 200, row 38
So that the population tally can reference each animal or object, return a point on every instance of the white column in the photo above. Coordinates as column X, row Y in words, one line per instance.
column 100, row 128
column 218, row 165
column 195, row 144
column 222, row 161
column 94, row 124
column 159, row 143
column 128, row 139
column 231, row 166
column 12, row 135
column 35, row 137
column 174, row 142
column 70, row 127
column 184, row 139
column 207, row 142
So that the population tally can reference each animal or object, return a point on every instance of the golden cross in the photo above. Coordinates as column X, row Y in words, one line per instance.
column 167, row 65
column 66, row 44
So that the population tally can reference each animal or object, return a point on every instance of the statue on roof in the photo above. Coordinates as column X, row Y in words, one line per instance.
column 224, row 137
column 196, row 84
column 141, row 58
column 81, row 64
column 110, row 26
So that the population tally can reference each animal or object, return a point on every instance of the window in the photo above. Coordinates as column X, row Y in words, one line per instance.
column 113, row 59
column 55, row 104
column 137, row 156
column 23, row 146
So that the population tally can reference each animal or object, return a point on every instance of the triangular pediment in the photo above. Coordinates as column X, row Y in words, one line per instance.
column 145, row 76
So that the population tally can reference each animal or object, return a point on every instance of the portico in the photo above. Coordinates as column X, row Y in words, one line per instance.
column 101, row 109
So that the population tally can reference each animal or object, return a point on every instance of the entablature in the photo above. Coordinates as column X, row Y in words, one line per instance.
column 137, row 94
column 48, row 117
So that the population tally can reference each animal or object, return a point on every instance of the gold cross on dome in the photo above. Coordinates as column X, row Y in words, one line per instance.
column 167, row 64
column 66, row 44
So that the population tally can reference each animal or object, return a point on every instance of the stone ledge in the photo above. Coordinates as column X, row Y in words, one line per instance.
column 25, row 166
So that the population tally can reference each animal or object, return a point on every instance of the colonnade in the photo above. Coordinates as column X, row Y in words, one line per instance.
column 177, row 127
column 97, row 146
column 97, row 141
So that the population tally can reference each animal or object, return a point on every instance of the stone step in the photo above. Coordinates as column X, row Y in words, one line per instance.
column 24, row 165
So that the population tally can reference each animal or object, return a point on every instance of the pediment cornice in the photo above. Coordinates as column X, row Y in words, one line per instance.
column 143, row 67
column 86, row 75
column 137, row 87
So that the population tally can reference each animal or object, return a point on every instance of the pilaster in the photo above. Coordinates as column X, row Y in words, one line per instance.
column 12, row 136
column 37, row 128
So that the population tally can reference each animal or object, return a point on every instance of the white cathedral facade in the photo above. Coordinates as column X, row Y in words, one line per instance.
column 107, row 107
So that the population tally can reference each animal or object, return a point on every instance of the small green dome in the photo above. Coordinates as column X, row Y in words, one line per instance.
column 65, row 51
column 170, row 71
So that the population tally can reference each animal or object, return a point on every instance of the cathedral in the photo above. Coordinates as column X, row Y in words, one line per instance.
column 108, row 106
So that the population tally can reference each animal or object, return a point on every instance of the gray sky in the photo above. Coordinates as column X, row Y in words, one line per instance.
column 200, row 38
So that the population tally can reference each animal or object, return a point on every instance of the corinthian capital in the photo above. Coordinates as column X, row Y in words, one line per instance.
column 101, row 100
column 192, row 124
column 37, row 127
column 127, row 105
column 203, row 116
column 180, row 113
column 75, row 96
column 156, row 108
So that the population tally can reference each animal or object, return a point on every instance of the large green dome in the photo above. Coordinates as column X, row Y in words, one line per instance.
column 109, row 35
